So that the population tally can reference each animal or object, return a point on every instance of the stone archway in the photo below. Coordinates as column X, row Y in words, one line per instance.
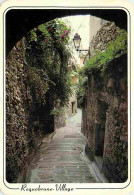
column 28, row 19
column 20, row 21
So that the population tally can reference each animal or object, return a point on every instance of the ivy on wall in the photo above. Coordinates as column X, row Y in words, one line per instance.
column 101, row 60
column 81, row 90
column 47, row 53
column 37, row 74
column 100, row 63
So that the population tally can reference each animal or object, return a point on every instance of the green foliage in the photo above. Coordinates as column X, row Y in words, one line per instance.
column 57, row 112
column 100, row 63
column 102, row 60
column 33, row 36
column 81, row 90
column 74, row 73
column 47, row 53
column 38, row 85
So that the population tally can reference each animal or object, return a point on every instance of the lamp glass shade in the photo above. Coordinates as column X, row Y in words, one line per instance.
column 77, row 41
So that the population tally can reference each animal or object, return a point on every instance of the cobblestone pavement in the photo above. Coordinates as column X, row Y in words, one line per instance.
column 61, row 158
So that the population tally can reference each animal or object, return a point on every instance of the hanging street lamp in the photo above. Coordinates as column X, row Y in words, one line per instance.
column 77, row 41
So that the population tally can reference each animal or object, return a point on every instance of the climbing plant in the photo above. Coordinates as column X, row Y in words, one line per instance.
column 37, row 74
column 48, row 54
column 102, row 60
column 81, row 89
column 99, row 64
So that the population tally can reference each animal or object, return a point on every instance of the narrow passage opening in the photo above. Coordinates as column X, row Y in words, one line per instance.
column 73, row 107
column 100, row 132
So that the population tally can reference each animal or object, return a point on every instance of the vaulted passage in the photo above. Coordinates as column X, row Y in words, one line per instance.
column 61, row 98
column 20, row 21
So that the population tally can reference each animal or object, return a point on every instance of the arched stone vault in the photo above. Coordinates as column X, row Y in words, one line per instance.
column 20, row 21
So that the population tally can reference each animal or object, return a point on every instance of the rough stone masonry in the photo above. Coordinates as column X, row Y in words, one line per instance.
column 105, row 112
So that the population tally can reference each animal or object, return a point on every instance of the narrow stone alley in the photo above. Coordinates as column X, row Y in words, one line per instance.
column 66, row 59
column 61, row 158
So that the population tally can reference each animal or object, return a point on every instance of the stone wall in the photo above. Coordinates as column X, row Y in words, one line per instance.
column 68, row 110
column 104, row 35
column 95, row 24
column 105, row 112
column 71, row 108
column 16, row 115
column 25, row 125
column 60, row 121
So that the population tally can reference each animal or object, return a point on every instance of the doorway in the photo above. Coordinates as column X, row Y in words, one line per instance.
column 100, row 132
column 73, row 107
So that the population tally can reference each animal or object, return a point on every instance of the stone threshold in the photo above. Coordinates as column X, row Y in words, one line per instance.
column 99, row 162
